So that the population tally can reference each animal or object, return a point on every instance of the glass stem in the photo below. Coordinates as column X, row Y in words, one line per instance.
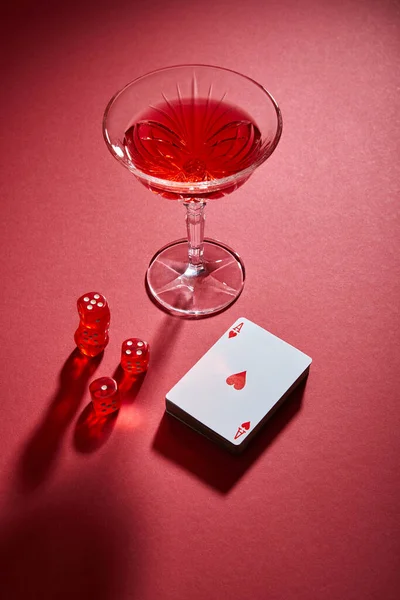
column 195, row 232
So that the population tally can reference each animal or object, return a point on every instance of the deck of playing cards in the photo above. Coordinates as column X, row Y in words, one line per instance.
column 237, row 385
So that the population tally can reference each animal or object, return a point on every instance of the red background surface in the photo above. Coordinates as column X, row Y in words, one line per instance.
column 149, row 509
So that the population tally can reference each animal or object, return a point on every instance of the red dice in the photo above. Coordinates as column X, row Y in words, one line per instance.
column 91, row 337
column 135, row 356
column 105, row 396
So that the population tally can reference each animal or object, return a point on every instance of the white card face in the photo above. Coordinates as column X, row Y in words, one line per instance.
column 239, row 380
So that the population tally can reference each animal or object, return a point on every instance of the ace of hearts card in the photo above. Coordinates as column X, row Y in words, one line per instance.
column 237, row 385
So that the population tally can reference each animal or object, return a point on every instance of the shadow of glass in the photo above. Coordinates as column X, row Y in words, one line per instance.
column 164, row 338
column 214, row 465
column 39, row 454
column 66, row 549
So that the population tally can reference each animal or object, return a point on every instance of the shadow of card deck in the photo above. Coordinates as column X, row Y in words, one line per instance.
column 234, row 388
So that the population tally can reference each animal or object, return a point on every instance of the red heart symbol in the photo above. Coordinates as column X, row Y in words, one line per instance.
column 238, row 380
column 232, row 334
column 246, row 425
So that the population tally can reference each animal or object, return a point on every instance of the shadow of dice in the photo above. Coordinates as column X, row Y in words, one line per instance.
column 135, row 356
column 105, row 396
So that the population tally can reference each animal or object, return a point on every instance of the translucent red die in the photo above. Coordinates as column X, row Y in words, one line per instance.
column 105, row 396
column 91, row 337
column 135, row 356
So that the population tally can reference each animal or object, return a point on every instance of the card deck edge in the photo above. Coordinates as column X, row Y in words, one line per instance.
column 181, row 415
column 175, row 411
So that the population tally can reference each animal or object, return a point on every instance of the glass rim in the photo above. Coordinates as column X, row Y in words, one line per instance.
column 192, row 187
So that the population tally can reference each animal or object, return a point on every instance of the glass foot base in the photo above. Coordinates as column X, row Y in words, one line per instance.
column 182, row 291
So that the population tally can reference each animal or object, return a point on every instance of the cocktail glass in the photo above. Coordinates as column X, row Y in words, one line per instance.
column 193, row 133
